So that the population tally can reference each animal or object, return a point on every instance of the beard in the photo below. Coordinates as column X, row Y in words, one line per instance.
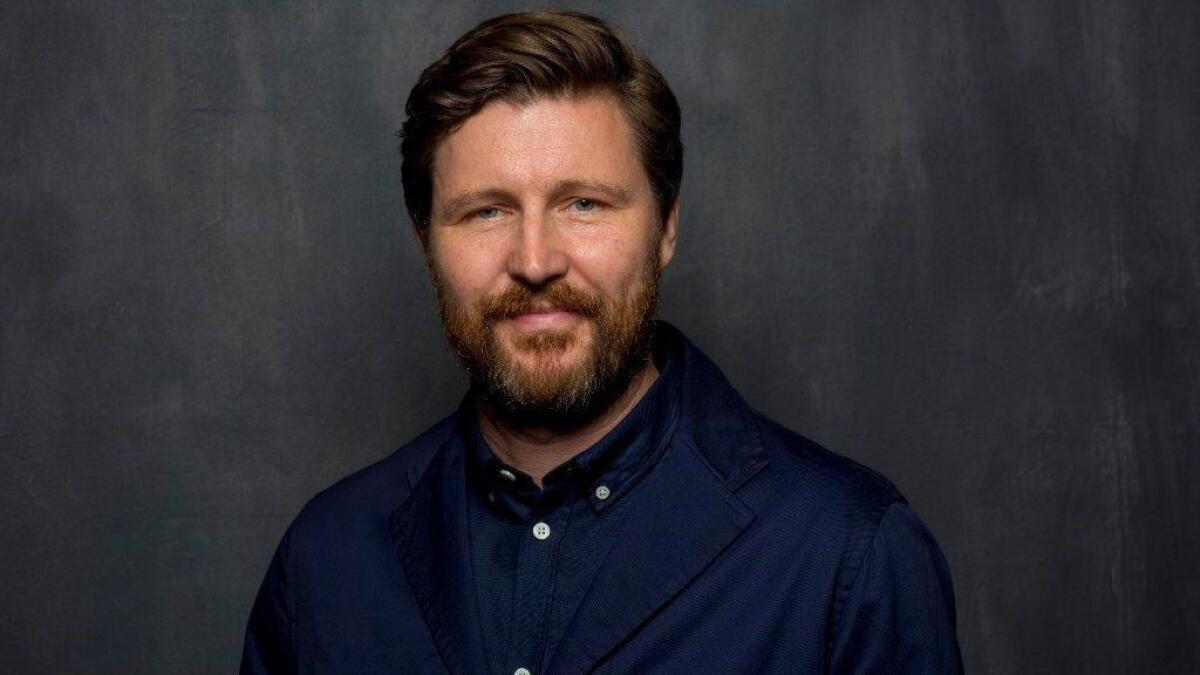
column 529, row 379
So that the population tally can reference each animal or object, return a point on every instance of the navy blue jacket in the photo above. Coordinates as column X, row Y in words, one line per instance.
column 746, row 549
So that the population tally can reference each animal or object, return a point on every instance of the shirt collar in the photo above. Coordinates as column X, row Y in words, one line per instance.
column 608, row 469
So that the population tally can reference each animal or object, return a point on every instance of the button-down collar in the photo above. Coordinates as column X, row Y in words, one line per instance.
column 607, row 470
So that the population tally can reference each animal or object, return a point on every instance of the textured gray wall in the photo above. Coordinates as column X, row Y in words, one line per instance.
column 958, row 241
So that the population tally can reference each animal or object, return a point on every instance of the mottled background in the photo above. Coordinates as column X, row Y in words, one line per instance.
column 957, row 241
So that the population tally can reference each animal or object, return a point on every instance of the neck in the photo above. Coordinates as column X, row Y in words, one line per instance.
column 537, row 450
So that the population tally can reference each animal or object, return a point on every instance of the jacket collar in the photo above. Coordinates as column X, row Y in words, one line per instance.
column 716, row 447
column 715, row 419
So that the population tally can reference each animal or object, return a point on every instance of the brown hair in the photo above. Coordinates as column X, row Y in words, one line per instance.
column 520, row 57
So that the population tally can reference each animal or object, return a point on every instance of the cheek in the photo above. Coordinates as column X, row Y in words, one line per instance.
column 614, row 264
column 464, row 272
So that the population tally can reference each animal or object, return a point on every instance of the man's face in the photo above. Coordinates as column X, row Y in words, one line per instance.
column 546, row 247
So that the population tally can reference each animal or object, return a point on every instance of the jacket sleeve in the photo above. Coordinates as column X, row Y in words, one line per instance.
column 268, row 646
column 898, row 616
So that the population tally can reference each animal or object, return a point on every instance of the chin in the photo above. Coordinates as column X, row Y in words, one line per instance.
column 547, row 368
column 549, row 347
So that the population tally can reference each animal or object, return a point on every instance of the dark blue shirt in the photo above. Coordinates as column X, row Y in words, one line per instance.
column 535, row 551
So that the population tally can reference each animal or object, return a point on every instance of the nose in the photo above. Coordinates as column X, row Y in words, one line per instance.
column 537, row 257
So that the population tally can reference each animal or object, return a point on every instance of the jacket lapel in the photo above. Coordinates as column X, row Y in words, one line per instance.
column 679, row 519
column 430, row 532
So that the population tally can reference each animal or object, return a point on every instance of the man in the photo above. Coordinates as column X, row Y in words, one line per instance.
column 602, row 501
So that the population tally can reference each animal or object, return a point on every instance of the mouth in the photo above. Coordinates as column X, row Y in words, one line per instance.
column 545, row 319
column 543, row 316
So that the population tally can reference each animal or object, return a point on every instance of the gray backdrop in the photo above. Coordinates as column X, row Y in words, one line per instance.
column 955, row 240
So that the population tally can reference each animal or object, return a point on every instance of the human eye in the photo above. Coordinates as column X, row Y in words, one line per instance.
column 486, row 213
column 584, row 205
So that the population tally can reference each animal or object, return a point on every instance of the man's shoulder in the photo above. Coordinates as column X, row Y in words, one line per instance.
column 804, row 476
column 811, row 503
column 824, row 467
column 378, row 488
column 763, row 461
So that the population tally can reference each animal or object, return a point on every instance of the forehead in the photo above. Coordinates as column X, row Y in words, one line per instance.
column 535, row 145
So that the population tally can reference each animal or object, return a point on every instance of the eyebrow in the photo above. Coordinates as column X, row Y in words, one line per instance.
column 613, row 193
column 616, row 194
column 456, row 204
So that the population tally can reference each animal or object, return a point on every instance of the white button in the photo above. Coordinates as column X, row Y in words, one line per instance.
column 541, row 531
column 508, row 475
column 602, row 492
column 522, row 671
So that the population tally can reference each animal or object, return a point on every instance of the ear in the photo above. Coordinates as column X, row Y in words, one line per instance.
column 666, row 241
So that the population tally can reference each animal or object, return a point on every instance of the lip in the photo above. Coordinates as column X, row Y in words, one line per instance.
column 543, row 320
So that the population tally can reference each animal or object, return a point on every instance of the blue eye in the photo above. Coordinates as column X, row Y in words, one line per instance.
column 583, row 205
column 488, row 213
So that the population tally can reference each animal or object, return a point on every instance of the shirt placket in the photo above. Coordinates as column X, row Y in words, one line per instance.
column 533, row 590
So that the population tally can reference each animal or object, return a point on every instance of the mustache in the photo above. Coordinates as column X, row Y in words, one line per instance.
column 560, row 296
